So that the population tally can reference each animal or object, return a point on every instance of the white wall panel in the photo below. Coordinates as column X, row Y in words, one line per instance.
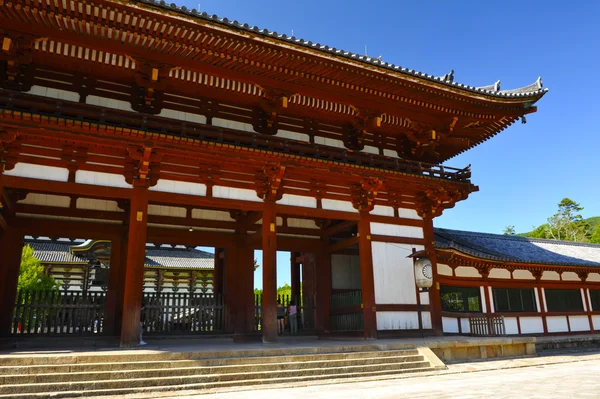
column 182, row 116
column 58, row 201
column 390, row 153
column 444, row 270
column 382, row 210
column 593, row 277
column 523, row 275
column 345, row 272
column 101, row 179
column 335, row 205
column 466, row 271
column 395, row 230
column 329, row 142
column 235, row 193
column 371, row 150
column 302, row 223
column 449, row 324
column 570, row 276
column 426, row 320
column 179, row 187
column 206, row 214
column 510, row 323
column 38, row 172
column 98, row 205
column 549, row 275
column 109, row 103
column 172, row 211
column 54, row 93
column 557, row 324
column 393, row 273
column 596, row 322
column 246, row 127
column 286, row 134
column 397, row 320
column 531, row 325
column 499, row 273
column 298, row 200
column 424, row 297
column 464, row 324
column 408, row 213
column 579, row 323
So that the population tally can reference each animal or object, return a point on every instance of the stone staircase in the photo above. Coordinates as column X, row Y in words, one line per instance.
column 45, row 376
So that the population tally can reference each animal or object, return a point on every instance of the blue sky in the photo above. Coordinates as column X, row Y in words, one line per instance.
column 524, row 171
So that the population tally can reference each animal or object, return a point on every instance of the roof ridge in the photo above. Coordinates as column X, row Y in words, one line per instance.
column 448, row 80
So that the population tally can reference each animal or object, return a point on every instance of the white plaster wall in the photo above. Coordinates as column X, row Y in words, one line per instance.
column 206, row 214
column 466, row 327
column 531, row 325
column 408, row 213
column 179, row 187
column 593, row 277
column 537, row 300
column 172, row 211
column 383, row 210
column 101, row 179
column 54, row 93
column 302, row 223
column 449, row 324
column 46, row 200
column 329, row 142
column 98, row 205
column 108, row 103
column 444, row 270
column 523, row 275
column 390, row 153
column 336, row 205
column 579, row 323
column 466, row 271
column 371, row 150
column 557, row 324
column 596, row 322
column 286, row 134
column 38, row 172
column 235, row 193
column 246, row 127
column 393, row 273
column 499, row 273
column 426, row 320
column 570, row 276
column 397, row 320
column 345, row 272
column 510, row 323
column 424, row 297
column 549, row 275
column 395, row 230
column 297, row 200
column 182, row 116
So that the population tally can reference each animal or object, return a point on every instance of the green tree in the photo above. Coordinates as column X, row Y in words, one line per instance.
column 567, row 224
column 509, row 231
column 595, row 237
column 31, row 273
column 538, row 232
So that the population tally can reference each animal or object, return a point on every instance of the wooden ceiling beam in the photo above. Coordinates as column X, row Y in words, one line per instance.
column 66, row 188
column 333, row 248
column 338, row 228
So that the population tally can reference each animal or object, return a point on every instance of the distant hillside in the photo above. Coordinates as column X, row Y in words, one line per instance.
column 539, row 232
column 593, row 222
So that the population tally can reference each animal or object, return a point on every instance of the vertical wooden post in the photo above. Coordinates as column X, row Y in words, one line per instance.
column 11, row 248
column 295, row 275
column 246, row 287
column 113, row 308
column 218, row 271
column 232, row 280
column 269, row 248
column 323, row 288
column 366, row 275
column 134, row 273
column 435, row 301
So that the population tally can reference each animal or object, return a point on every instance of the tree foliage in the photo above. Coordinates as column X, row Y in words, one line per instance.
column 31, row 273
column 595, row 237
column 509, row 231
column 567, row 224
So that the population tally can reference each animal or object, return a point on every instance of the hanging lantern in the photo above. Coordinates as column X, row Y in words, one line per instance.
column 423, row 273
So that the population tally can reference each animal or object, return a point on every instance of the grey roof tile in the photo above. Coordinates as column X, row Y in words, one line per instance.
column 53, row 252
column 527, row 91
column 518, row 249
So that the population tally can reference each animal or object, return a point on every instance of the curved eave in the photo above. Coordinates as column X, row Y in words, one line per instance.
column 443, row 82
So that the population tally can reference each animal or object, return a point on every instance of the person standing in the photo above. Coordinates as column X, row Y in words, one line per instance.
column 293, row 313
column 280, row 317
column 142, row 319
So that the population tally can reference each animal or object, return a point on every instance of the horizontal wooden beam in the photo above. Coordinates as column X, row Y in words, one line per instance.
column 400, row 307
column 343, row 244
column 338, row 228
column 66, row 188
column 313, row 213
column 157, row 197
column 398, row 240
column 67, row 228
column 396, row 220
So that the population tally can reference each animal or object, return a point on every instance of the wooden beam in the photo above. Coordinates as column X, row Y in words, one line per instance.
column 269, row 270
column 343, row 244
column 66, row 228
column 65, row 188
column 254, row 240
column 11, row 246
column 250, row 220
column 313, row 213
column 338, row 228
column 157, row 197
column 366, row 276
column 6, row 200
column 3, row 224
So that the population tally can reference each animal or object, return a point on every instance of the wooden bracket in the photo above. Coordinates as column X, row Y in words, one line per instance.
column 17, row 72
column 431, row 203
column 364, row 194
column 144, row 168
column 265, row 116
column 150, row 79
column 269, row 183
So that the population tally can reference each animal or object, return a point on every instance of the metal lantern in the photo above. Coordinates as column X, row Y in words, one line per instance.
column 423, row 273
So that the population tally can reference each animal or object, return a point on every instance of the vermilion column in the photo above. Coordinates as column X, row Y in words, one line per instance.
column 269, row 248
column 246, row 262
column 366, row 275
column 218, row 271
column 134, row 273
column 11, row 247
column 295, row 275
column 231, row 281
column 435, row 302
column 323, row 283
column 113, row 308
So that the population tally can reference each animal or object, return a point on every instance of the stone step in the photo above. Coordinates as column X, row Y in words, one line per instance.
column 212, row 385
column 149, row 355
column 84, row 361
column 234, row 378
column 185, row 371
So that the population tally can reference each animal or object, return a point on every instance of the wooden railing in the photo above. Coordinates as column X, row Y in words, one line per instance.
column 86, row 114
column 485, row 325
column 346, row 312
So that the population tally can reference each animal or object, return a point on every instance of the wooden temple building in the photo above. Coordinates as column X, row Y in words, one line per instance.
column 138, row 122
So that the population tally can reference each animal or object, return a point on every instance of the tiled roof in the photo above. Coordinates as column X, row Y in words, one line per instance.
column 533, row 90
column 518, row 249
column 173, row 258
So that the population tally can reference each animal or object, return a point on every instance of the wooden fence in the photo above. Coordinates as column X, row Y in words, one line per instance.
column 486, row 325
column 346, row 312
column 306, row 311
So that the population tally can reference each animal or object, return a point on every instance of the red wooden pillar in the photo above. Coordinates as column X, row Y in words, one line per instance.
column 232, row 278
column 134, row 273
column 113, row 308
column 366, row 275
column 269, row 248
column 246, row 292
column 435, row 301
column 218, row 271
column 323, row 288
column 11, row 248
column 295, row 275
